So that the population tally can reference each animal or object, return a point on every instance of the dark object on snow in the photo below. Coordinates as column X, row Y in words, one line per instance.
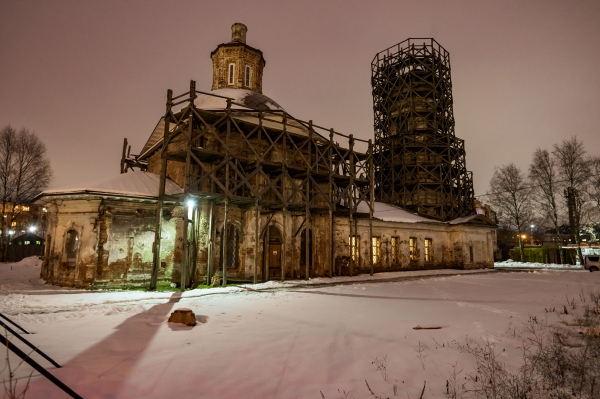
column 183, row 316
column 418, row 327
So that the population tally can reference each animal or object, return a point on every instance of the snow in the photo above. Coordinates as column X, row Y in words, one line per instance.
column 280, row 340
column 133, row 184
column 534, row 265
column 391, row 213
column 247, row 98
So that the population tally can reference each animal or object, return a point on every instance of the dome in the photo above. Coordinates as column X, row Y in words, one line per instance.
column 246, row 98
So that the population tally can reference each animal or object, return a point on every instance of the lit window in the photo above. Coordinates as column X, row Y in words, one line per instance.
column 27, row 242
column 395, row 252
column 376, row 247
column 247, row 77
column 13, row 224
column 354, row 242
column 231, row 73
column 414, row 256
column 25, row 209
column 38, row 243
column 428, row 250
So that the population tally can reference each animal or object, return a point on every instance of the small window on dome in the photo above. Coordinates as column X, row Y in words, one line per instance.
column 247, row 77
column 231, row 73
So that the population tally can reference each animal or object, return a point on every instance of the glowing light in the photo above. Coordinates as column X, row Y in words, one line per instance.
column 10, row 232
column 523, row 235
column 32, row 229
column 191, row 203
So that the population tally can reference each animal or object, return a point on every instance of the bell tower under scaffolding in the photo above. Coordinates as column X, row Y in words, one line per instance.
column 419, row 162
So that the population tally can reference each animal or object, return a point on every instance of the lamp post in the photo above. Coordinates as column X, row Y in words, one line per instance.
column 532, row 226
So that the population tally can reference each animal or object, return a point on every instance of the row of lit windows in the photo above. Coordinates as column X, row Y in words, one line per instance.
column 354, row 242
column 247, row 74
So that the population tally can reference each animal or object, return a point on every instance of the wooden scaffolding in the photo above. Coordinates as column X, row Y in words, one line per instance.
column 262, row 160
column 420, row 163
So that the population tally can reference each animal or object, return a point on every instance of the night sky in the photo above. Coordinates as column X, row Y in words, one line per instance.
column 85, row 74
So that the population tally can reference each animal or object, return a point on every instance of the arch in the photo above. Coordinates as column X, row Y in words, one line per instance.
column 275, row 234
column 71, row 246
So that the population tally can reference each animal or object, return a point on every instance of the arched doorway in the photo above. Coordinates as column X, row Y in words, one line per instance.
column 273, row 243
column 303, row 253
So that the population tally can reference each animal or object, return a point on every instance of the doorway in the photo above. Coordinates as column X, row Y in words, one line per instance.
column 273, row 242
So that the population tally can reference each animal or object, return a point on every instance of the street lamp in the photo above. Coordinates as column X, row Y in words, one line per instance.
column 532, row 226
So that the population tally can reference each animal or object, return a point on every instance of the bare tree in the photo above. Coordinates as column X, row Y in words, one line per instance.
column 574, row 172
column 593, row 188
column 542, row 173
column 511, row 197
column 24, row 172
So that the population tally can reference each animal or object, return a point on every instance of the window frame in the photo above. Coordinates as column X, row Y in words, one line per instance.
column 231, row 74
column 395, row 253
column 376, row 248
column 247, row 75
column 413, row 249
column 428, row 248
column 354, row 245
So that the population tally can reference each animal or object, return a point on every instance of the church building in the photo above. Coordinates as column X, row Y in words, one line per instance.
column 230, row 187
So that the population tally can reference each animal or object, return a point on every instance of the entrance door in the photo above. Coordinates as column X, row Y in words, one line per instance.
column 274, row 260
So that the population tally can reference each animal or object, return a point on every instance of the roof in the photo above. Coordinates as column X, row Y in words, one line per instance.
column 134, row 184
column 29, row 236
column 392, row 213
column 247, row 99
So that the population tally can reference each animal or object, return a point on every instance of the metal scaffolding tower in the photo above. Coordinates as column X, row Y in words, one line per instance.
column 419, row 162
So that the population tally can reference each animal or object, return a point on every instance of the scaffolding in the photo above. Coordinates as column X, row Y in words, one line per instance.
column 419, row 162
column 257, row 159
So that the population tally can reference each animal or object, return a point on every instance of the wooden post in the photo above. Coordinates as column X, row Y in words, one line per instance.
column 371, row 200
column 267, row 252
column 331, row 205
column 307, row 257
column 224, row 243
column 123, row 164
column 193, row 250
column 211, row 246
column 331, row 244
column 184, row 252
column 256, row 238
column 351, row 202
column 283, row 245
column 161, row 193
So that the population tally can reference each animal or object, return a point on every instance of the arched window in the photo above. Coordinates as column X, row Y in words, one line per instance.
column 232, row 247
column 71, row 247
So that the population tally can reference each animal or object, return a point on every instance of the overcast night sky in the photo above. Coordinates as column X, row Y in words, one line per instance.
column 85, row 74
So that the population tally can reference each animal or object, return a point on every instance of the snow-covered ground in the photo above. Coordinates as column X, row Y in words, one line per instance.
column 534, row 265
column 283, row 342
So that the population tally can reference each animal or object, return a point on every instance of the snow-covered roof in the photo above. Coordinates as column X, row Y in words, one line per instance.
column 469, row 218
column 134, row 184
column 249, row 98
column 392, row 213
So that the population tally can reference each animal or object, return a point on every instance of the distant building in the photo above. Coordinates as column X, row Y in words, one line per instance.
column 25, row 245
